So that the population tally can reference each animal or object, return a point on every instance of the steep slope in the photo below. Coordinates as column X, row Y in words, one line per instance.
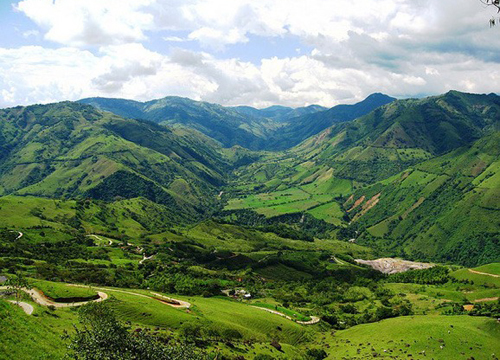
column 411, row 172
column 444, row 209
column 74, row 150
column 225, row 125
column 305, row 125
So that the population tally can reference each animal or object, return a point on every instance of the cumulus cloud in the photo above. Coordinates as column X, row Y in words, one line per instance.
column 400, row 47
column 89, row 22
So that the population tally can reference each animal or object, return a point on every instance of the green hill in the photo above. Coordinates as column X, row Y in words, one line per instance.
column 225, row 125
column 444, row 209
column 275, row 127
column 415, row 178
column 74, row 150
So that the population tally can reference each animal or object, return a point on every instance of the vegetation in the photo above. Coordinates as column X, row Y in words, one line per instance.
column 102, row 336
column 159, row 216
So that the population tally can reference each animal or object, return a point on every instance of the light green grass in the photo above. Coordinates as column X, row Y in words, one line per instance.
column 478, row 279
column 493, row 268
column 462, row 337
column 293, row 314
column 56, row 290
column 331, row 213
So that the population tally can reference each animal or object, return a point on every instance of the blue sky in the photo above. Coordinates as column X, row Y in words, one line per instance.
column 240, row 52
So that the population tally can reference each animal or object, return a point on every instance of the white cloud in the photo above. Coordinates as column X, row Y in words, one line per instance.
column 401, row 47
column 89, row 22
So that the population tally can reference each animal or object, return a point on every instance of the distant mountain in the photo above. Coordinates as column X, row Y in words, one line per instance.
column 278, row 113
column 74, row 150
column 272, row 128
column 308, row 124
column 225, row 125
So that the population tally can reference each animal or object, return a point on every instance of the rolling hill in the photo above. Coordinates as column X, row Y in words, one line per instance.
column 74, row 150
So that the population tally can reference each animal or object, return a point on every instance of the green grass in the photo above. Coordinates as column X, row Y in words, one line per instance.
column 36, row 337
column 478, row 279
column 19, row 212
column 56, row 290
column 293, row 314
column 331, row 213
column 493, row 268
column 468, row 337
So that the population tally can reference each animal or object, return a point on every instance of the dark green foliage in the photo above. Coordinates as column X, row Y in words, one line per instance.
column 297, row 226
column 126, row 185
column 433, row 275
column 491, row 309
column 102, row 336
column 316, row 354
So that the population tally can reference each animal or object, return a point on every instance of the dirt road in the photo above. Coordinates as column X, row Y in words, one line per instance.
column 27, row 308
column 483, row 273
column 314, row 319
column 43, row 300
column 168, row 301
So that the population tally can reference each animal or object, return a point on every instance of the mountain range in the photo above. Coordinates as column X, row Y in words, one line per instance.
column 411, row 177
column 271, row 128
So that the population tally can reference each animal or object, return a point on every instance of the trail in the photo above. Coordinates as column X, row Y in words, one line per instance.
column 340, row 262
column 483, row 273
column 146, row 258
column 100, row 239
column 314, row 319
column 20, row 234
column 27, row 308
column 43, row 300
column 168, row 301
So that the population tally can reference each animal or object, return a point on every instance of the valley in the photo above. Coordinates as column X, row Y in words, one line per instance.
column 374, row 233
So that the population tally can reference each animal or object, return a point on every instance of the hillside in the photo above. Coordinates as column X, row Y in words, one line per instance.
column 73, row 150
column 225, row 125
column 448, row 140
column 444, row 209
column 275, row 127
column 306, row 125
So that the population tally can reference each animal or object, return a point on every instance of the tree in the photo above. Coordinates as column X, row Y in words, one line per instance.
column 18, row 284
column 102, row 336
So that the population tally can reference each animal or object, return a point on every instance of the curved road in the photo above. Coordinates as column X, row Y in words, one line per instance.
column 314, row 319
column 43, row 300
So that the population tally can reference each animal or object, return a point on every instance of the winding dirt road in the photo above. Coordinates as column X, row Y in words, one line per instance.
column 314, row 319
column 166, row 300
column 43, row 300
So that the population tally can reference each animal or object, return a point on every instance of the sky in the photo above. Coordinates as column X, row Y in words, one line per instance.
column 241, row 52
